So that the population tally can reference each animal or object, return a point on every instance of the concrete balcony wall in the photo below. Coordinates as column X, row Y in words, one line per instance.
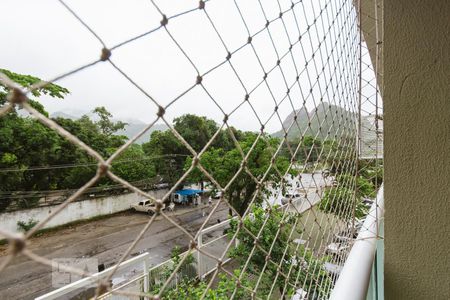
column 416, row 49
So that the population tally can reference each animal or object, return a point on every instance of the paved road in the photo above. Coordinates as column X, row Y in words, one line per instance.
column 309, row 186
column 105, row 240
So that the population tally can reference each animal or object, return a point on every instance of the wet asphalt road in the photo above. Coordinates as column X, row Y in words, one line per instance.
column 105, row 240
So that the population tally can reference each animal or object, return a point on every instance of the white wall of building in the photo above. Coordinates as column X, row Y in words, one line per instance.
column 75, row 211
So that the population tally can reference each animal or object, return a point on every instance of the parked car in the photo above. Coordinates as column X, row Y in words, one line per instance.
column 367, row 202
column 217, row 195
column 162, row 185
column 287, row 197
column 358, row 225
column 300, row 294
column 332, row 269
column 337, row 249
column 341, row 244
column 146, row 206
column 342, row 237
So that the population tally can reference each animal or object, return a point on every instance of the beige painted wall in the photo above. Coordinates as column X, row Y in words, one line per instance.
column 417, row 149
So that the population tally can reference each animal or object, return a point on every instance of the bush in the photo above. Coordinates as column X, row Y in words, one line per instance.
column 338, row 201
column 365, row 188
column 372, row 171
column 26, row 226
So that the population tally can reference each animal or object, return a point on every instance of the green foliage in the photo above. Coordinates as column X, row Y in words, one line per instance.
column 133, row 164
column 275, row 235
column 105, row 124
column 26, row 226
column 254, row 223
column 305, row 268
column 223, row 290
column 184, row 269
column 372, row 170
column 176, row 258
column 223, row 165
column 340, row 201
column 364, row 187
column 189, row 288
column 197, row 131
column 308, row 149
column 53, row 90
column 169, row 154
column 25, row 143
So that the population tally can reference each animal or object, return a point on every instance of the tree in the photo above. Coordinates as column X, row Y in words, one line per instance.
column 275, row 234
column 339, row 153
column 223, row 165
column 53, row 90
column 106, row 125
column 341, row 201
column 168, row 153
column 172, row 154
column 196, row 130
column 269, row 240
column 133, row 164
column 29, row 150
column 191, row 290
column 347, row 195
column 308, row 151
column 24, row 141
column 306, row 269
column 364, row 187
column 372, row 170
column 98, row 135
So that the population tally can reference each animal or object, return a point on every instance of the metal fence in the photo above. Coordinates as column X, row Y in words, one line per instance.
column 308, row 66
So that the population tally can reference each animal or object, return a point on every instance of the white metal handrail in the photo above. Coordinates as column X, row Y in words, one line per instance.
column 94, row 278
column 353, row 281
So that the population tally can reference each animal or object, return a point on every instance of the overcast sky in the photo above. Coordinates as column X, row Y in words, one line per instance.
column 42, row 38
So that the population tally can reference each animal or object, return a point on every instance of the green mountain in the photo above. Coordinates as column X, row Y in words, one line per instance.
column 325, row 119
column 331, row 119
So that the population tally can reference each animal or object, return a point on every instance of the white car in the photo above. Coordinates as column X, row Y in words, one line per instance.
column 300, row 294
column 145, row 206
column 294, row 196
column 333, row 269
column 337, row 249
column 340, row 245
column 217, row 195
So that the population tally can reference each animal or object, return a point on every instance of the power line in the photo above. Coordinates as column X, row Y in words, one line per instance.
column 43, row 193
column 66, row 166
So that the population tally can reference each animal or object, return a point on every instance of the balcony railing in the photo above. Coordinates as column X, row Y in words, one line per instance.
column 361, row 267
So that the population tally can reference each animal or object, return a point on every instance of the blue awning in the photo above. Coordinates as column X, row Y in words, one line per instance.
column 188, row 192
